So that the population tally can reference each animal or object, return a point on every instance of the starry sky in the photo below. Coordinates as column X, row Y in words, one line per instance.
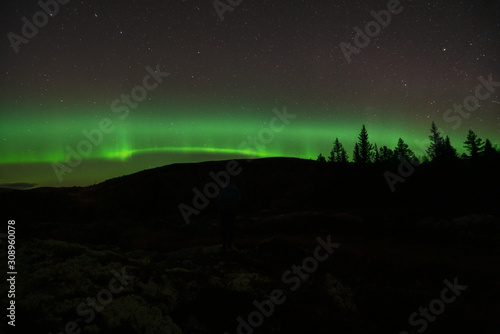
column 218, row 77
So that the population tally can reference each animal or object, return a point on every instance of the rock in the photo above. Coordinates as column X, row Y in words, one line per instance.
column 342, row 294
column 246, row 282
column 133, row 312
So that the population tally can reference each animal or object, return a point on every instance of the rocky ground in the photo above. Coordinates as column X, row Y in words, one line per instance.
column 153, row 279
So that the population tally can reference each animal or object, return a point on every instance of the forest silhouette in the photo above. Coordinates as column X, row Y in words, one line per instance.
column 440, row 150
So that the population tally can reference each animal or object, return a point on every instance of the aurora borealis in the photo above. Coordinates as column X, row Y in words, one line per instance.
column 227, row 79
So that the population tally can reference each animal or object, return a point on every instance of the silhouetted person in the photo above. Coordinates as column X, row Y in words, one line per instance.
column 229, row 198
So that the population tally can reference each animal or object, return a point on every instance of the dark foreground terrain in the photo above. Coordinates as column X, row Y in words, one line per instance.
column 118, row 257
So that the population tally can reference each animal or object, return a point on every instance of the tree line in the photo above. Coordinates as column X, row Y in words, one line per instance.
column 439, row 150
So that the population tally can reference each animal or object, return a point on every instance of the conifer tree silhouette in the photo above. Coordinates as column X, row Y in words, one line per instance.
column 377, row 154
column 365, row 149
column 403, row 152
column 449, row 152
column 489, row 153
column 386, row 154
column 356, row 156
column 435, row 150
column 474, row 145
column 321, row 158
column 338, row 153
column 439, row 150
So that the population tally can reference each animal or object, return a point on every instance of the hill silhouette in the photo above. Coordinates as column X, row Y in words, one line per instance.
column 396, row 249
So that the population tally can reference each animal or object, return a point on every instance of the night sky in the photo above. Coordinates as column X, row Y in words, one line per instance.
column 219, row 82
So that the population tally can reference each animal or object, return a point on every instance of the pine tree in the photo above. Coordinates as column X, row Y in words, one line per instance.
column 377, row 154
column 488, row 151
column 338, row 153
column 435, row 150
column 356, row 156
column 331, row 157
column 403, row 152
column 321, row 158
column 343, row 156
column 365, row 149
column 474, row 145
column 449, row 152
column 386, row 154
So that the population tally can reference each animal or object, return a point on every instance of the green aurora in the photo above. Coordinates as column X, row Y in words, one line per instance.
column 152, row 136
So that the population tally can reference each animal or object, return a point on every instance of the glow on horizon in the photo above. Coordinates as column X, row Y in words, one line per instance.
column 125, row 154
column 37, row 141
column 156, row 136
